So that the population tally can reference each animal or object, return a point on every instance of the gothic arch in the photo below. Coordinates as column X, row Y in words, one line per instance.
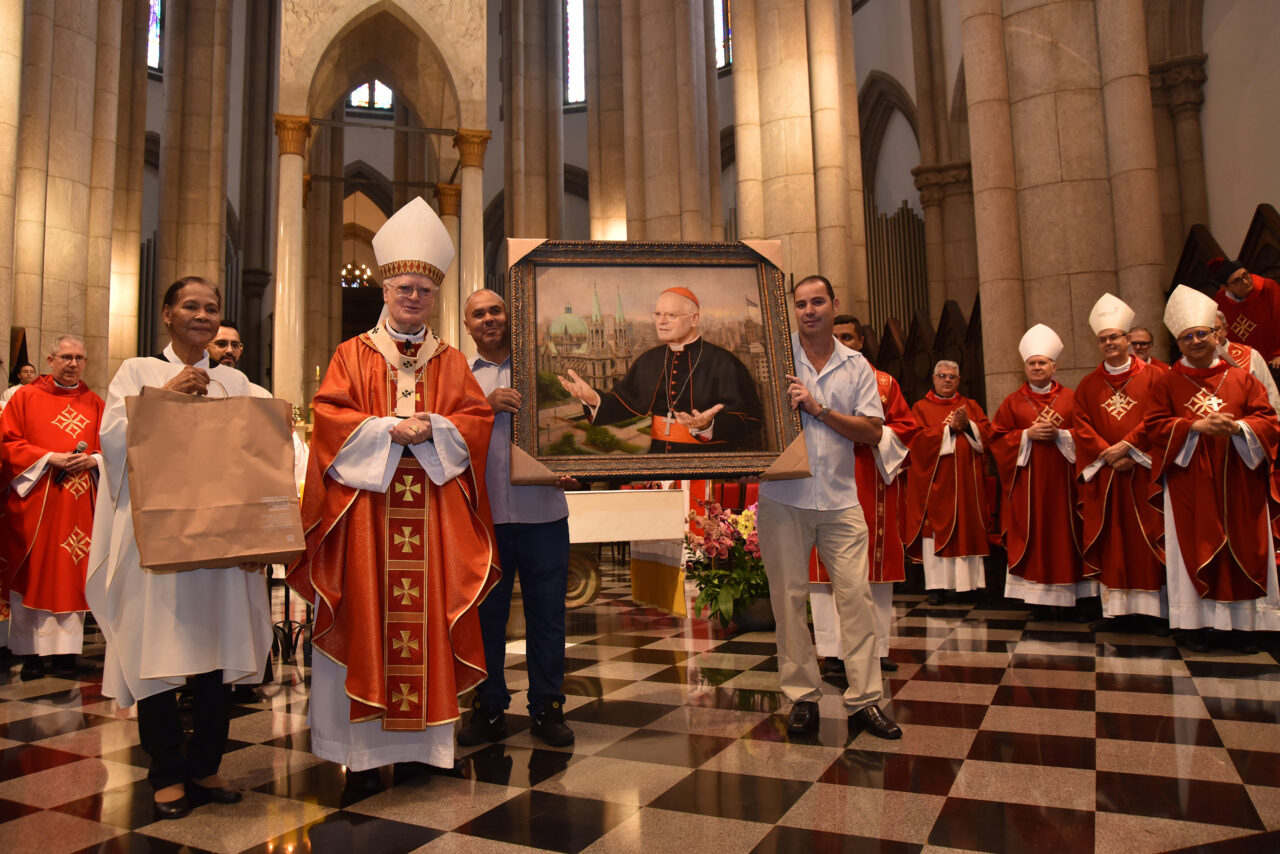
column 359, row 176
column 880, row 97
column 958, row 126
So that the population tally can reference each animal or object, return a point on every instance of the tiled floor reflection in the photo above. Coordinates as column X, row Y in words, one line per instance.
column 1018, row 737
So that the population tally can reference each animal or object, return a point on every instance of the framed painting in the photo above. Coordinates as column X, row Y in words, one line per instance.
column 650, row 360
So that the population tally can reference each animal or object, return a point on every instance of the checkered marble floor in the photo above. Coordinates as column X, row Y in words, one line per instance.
column 1018, row 737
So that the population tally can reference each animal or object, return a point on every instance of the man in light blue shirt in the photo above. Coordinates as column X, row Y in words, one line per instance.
column 834, row 389
column 531, row 524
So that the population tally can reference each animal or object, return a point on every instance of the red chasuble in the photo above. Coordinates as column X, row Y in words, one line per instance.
column 1255, row 320
column 1217, row 501
column 946, row 495
column 397, row 577
column 882, row 504
column 1123, row 533
column 1038, row 516
column 48, row 537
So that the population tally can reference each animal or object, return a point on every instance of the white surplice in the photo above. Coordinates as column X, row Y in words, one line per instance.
column 161, row 627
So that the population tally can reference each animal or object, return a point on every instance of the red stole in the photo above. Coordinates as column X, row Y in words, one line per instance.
column 882, row 504
column 1122, row 532
column 393, row 605
column 47, row 542
column 1038, row 517
column 946, row 495
column 1218, row 503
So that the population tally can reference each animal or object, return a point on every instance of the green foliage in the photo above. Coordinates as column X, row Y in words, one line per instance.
column 550, row 392
column 565, row 446
column 604, row 439
column 725, row 564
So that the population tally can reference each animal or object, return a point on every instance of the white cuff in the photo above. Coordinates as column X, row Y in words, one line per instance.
column 444, row 457
column 1066, row 445
column 25, row 482
column 1183, row 457
column 890, row 454
column 1248, row 446
column 369, row 458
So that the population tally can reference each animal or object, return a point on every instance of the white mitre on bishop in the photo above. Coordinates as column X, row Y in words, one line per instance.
column 1040, row 340
column 1110, row 312
column 1187, row 309
column 413, row 240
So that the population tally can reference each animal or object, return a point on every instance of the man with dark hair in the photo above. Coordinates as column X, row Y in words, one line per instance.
column 226, row 346
column 1251, row 304
column 848, row 331
column 1141, row 342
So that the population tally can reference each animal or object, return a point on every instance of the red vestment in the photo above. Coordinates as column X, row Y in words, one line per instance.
column 1217, row 500
column 397, row 577
column 946, row 494
column 882, row 504
column 1122, row 532
column 1038, row 515
column 1254, row 320
column 48, row 531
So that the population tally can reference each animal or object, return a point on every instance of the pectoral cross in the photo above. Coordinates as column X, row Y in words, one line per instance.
column 1205, row 402
column 667, row 421
column 1049, row 415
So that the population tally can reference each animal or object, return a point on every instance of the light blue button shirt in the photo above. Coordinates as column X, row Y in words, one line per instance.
column 508, row 503
column 847, row 384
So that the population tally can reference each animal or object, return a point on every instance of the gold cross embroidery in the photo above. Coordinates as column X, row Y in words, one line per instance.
column 1205, row 402
column 406, row 645
column 408, row 489
column 76, row 544
column 406, row 591
column 70, row 421
column 1049, row 415
column 1118, row 404
column 404, row 697
column 407, row 540
column 1243, row 326
column 77, row 484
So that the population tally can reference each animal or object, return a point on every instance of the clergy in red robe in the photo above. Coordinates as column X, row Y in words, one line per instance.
column 1213, row 436
column 1140, row 338
column 1251, row 305
column 1035, row 457
column 877, row 472
column 400, row 547
column 946, row 519
column 49, row 433
column 1245, row 358
column 1122, row 533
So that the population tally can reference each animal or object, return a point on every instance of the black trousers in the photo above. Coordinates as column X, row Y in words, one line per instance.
column 160, row 729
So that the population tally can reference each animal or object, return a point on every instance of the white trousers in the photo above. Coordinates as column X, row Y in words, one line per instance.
column 826, row 623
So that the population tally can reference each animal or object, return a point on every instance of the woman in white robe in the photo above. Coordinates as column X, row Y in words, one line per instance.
column 203, row 628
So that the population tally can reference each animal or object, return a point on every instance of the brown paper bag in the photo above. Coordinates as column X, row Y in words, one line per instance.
column 527, row 471
column 791, row 464
column 211, row 480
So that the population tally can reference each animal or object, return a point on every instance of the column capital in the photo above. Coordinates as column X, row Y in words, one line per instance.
column 1179, row 83
column 450, row 197
column 941, row 179
column 471, row 145
column 293, row 132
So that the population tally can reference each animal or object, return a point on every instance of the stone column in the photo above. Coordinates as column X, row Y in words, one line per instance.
column 126, row 237
column 192, row 220
column 11, row 34
column 449, row 304
column 746, row 123
column 925, row 55
column 288, row 336
column 633, row 71
column 606, row 164
column 995, row 195
column 715, row 168
column 1131, row 157
column 1183, row 79
column 533, row 128
column 930, row 184
column 471, row 146
column 858, row 278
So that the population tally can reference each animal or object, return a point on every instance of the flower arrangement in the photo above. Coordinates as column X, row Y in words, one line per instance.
column 724, row 561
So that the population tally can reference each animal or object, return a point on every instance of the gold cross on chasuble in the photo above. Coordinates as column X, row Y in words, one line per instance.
column 1243, row 326
column 1118, row 404
column 1205, row 403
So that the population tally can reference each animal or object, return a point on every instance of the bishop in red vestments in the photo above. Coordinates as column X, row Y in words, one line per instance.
column 1035, row 457
column 400, row 547
column 882, row 495
column 946, row 518
column 49, row 507
column 1123, row 533
column 1213, row 436
column 1251, row 305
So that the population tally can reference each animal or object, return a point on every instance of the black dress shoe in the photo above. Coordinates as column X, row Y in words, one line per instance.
column 32, row 668
column 1197, row 641
column 172, row 809
column 803, row 717
column 200, row 795
column 887, row 664
column 364, row 781
column 832, row 664
column 874, row 721
column 937, row 597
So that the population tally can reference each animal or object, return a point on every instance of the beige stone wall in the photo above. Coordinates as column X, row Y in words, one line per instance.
column 11, row 31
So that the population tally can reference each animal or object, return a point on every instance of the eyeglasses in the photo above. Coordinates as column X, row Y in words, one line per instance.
column 228, row 345
column 669, row 315
column 1107, row 339
column 409, row 291
column 64, row 357
column 946, row 376
column 1138, row 345
column 1195, row 335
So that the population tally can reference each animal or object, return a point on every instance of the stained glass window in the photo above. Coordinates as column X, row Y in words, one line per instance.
column 375, row 95
column 575, row 55
column 154, row 29
column 724, row 35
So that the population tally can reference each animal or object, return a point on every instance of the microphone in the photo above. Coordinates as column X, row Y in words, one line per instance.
column 81, row 447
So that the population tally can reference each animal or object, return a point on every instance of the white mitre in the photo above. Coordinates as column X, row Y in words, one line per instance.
column 414, row 240
column 1040, row 340
column 1110, row 312
column 1189, row 308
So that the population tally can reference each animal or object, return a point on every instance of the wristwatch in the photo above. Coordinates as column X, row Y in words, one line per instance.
column 822, row 412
